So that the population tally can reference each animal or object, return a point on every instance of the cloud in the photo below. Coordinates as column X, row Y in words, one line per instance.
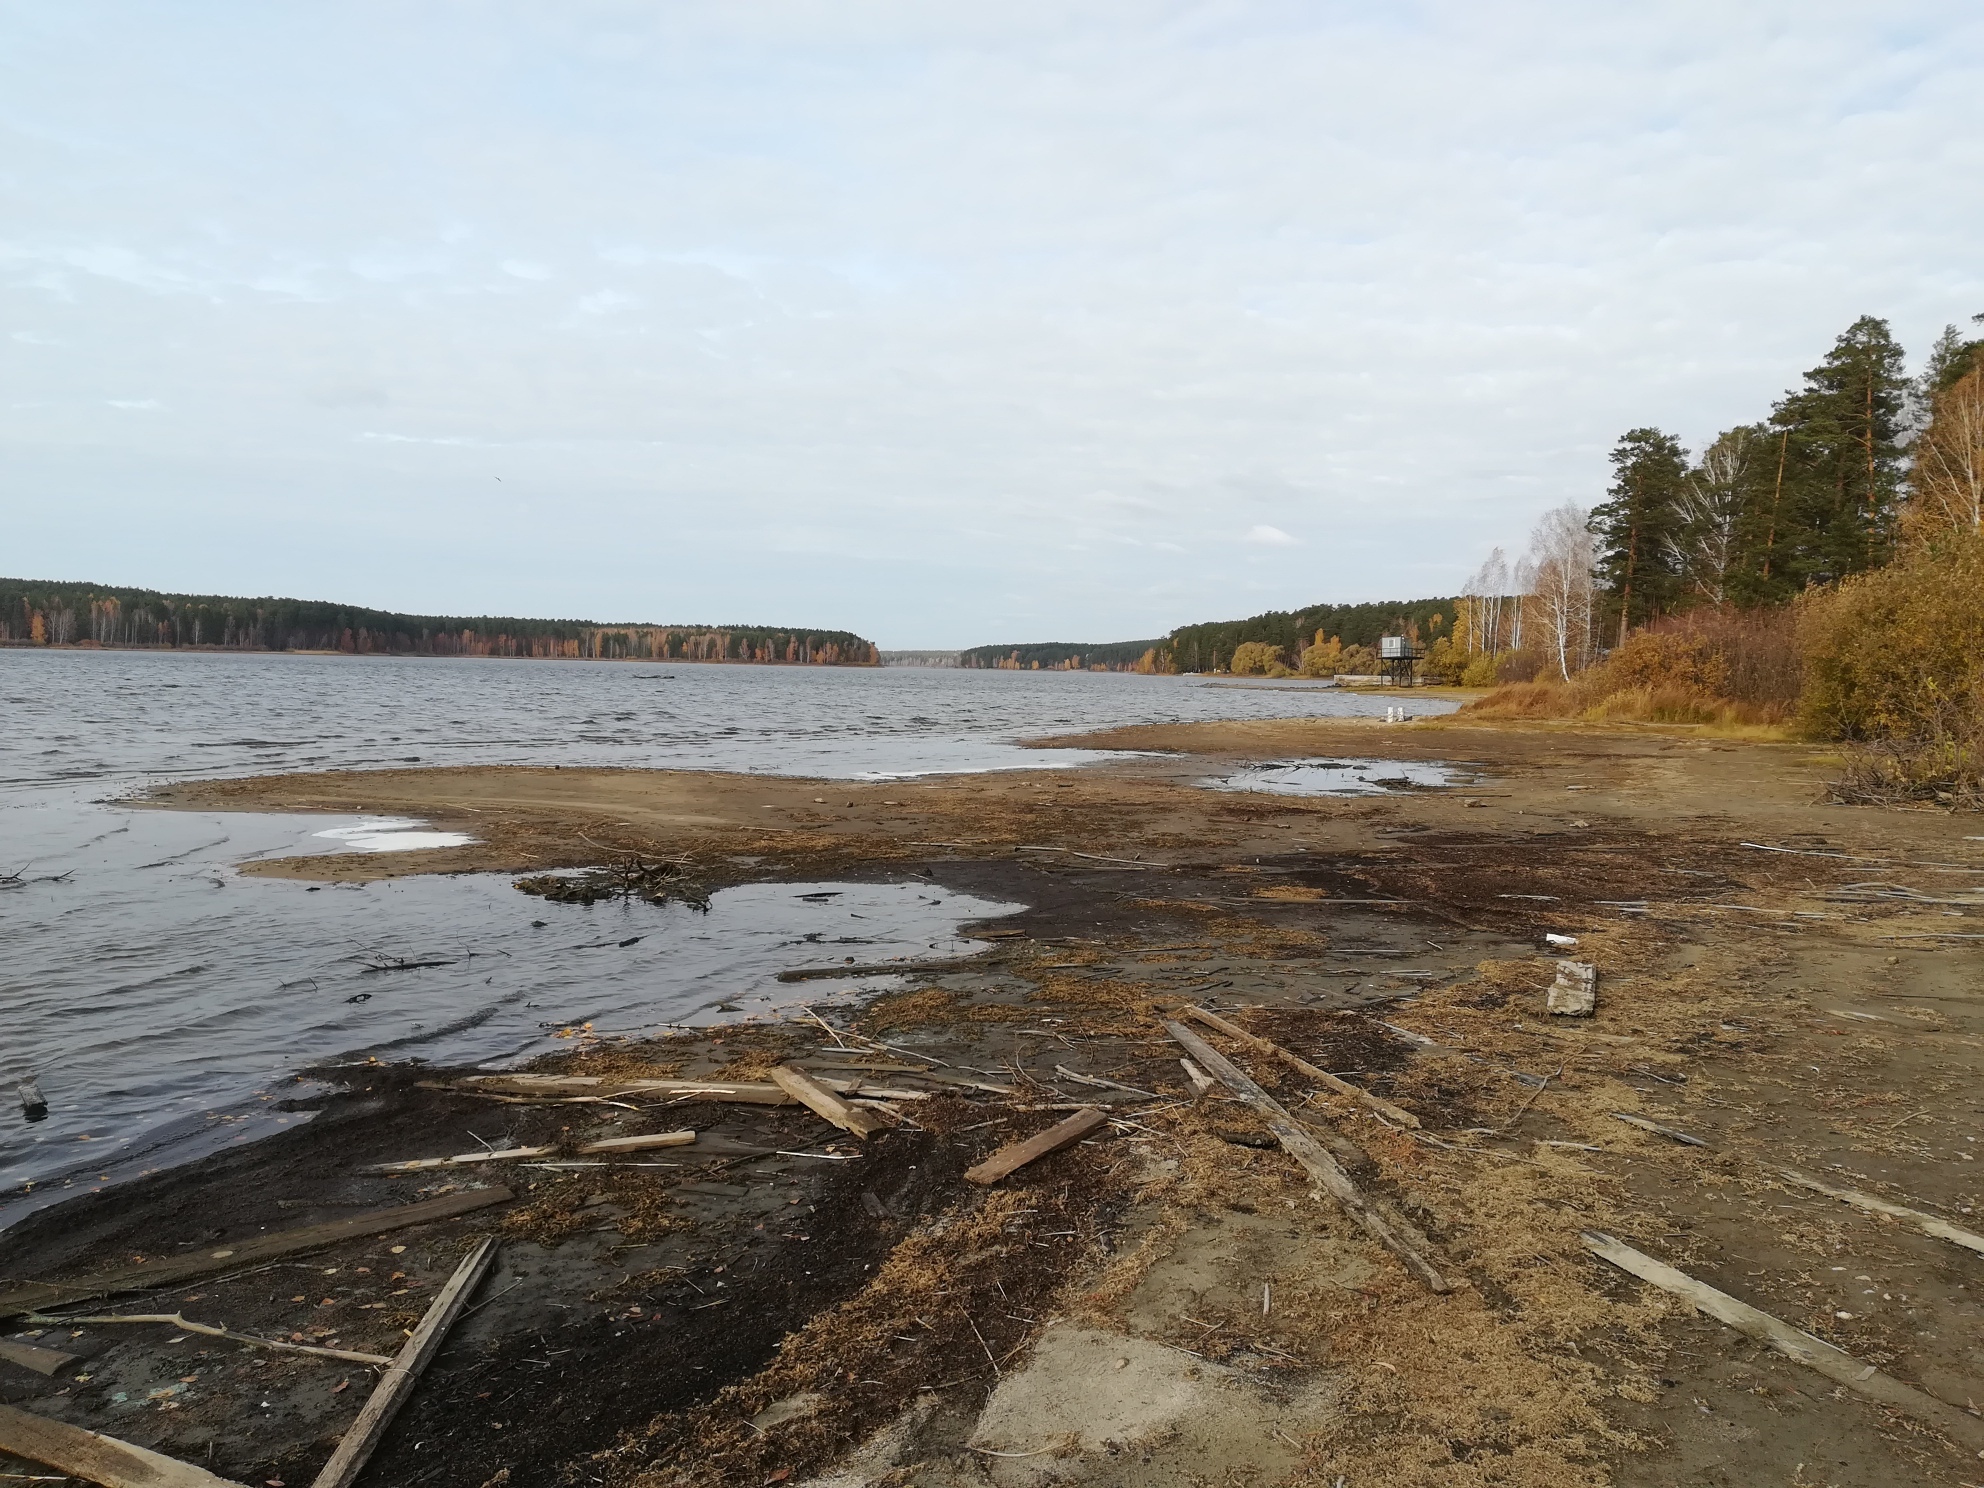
column 1270, row 537
column 932, row 321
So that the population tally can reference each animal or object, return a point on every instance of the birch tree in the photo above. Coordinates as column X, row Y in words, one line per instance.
column 1565, row 559
column 1705, row 549
column 1949, row 464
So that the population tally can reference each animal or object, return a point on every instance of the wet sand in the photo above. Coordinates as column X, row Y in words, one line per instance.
column 1170, row 1302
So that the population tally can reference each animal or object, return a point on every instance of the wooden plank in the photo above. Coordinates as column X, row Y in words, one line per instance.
column 641, row 1144
column 966, row 1082
column 1928, row 1224
column 1302, row 1066
column 1306, row 1150
column 34, row 1296
column 1016, row 1155
column 803, row 1088
column 1201, row 1081
column 95, row 1458
column 40, row 1360
column 1814, row 1353
column 396, row 1384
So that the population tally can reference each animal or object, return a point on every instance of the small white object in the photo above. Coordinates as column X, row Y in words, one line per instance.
column 1575, row 992
column 1559, row 940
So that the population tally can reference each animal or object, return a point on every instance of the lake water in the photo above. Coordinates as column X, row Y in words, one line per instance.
column 161, row 1000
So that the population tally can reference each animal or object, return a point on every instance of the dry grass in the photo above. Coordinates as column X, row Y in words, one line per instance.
column 938, row 1312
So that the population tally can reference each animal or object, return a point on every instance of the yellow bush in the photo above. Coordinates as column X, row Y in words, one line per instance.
column 1666, row 662
column 1257, row 659
column 1324, row 659
column 1898, row 653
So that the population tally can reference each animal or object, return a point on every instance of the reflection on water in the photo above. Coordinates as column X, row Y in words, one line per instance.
column 161, row 997
column 156, row 1043
column 1349, row 777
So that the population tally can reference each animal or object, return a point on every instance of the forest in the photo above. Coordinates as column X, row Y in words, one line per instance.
column 36, row 613
column 1821, row 567
column 1065, row 656
column 1288, row 634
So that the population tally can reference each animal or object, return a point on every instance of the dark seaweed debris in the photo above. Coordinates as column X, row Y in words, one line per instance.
column 660, row 881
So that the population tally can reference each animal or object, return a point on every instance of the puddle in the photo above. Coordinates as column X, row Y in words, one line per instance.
column 392, row 834
column 165, row 1023
column 1341, row 777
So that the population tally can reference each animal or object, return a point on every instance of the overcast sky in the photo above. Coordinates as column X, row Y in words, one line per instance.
column 945, row 323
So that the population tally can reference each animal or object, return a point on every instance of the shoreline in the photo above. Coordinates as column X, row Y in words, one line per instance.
column 1318, row 922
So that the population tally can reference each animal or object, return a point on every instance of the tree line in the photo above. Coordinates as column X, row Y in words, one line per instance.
column 35, row 613
column 1288, row 634
column 1830, row 484
column 1823, row 564
column 1066, row 656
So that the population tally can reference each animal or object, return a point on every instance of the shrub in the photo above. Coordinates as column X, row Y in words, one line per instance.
column 1324, row 659
column 1665, row 662
column 1480, row 672
column 1520, row 666
column 1444, row 662
column 1358, row 661
column 1725, row 667
column 1257, row 659
column 1754, row 652
column 1894, row 663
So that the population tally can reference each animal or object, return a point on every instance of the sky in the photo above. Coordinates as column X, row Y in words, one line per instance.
column 948, row 324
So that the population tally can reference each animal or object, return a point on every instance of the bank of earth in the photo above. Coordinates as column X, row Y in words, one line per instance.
column 1172, row 1300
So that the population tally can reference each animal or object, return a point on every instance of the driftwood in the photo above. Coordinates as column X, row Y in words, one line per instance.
column 1307, row 1151
column 1658, row 1130
column 1016, row 1155
column 1928, row 1224
column 966, row 1082
column 97, row 1459
column 1302, row 1066
column 520, row 1154
column 38, row 1296
column 1201, row 1081
column 40, row 1360
column 803, row 1088
column 397, row 1383
column 176, row 1320
column 1814, row 1353
column 1096, row 1082
column 461, row 1159
column 884, row 968
column 642, row 1143
column 746, row 1092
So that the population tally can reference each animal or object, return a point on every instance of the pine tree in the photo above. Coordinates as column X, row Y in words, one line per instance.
column 1640, row 528
column 1950, row 358
column 1843, row 438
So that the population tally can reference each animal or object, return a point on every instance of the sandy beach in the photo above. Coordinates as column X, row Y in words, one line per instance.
column 1783, row 980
